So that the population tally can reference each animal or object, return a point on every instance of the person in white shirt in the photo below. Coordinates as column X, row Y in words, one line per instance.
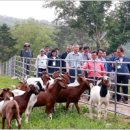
column 41, row 63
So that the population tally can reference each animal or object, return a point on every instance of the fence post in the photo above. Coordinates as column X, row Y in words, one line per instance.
column 115, row 106
column 60, row 66
column 94, row 71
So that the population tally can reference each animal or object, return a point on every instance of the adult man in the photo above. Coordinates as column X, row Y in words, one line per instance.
column 73, row 62
column 100, row 54
column 26, row 54
column 122, row 78
column 63, row 56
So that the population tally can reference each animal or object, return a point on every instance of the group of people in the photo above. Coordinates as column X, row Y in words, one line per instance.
column 81, row 60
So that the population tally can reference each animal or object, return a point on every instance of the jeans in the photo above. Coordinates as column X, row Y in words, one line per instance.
column 74, row 72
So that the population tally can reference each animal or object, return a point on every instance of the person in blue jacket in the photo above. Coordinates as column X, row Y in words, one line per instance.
column 123, row 78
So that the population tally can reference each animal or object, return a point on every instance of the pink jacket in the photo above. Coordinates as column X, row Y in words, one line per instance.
column 98, row 67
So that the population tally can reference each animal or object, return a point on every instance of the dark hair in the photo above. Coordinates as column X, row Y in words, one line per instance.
column 80, row 48
column 121, row 49
column 99, row 50
column 86, row 47
column 54, row 50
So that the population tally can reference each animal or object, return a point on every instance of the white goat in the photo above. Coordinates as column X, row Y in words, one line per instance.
column 100, row 95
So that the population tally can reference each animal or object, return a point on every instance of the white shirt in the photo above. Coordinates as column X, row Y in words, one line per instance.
column 41, row 62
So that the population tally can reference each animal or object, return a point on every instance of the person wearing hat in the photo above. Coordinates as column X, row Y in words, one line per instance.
column 25, row 55
column 41, row 63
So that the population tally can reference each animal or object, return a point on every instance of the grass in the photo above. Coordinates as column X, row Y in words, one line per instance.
column 66, row 120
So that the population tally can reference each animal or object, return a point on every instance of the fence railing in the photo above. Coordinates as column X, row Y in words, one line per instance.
column 17, row 66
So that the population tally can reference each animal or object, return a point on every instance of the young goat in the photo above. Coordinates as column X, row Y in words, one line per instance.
column 100, row 95
column 23, row 100
column 48, row 98
column 72, row 94
column 10, row 111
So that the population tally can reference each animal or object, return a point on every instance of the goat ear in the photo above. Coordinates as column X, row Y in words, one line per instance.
column 99, row 81
column 62, row 84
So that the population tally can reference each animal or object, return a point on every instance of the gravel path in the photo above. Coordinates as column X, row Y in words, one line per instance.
column 121, row 108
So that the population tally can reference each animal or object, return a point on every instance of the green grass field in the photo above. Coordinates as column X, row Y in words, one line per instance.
column 67, row 120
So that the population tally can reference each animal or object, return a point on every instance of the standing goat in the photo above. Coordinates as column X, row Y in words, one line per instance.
column 100, row 95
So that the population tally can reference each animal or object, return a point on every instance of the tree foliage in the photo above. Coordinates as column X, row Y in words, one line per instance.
column 7, row 43
column 37, row 34
column 108, row 29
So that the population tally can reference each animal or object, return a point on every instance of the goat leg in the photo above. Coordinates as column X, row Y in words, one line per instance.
column 99, row 110
column 90, row 108
column 9, row 123
column 67, row 106
column 3, row 123
column 77, row 107
column 19, row 122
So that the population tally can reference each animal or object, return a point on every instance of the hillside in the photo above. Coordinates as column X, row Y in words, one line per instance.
column 10, row 21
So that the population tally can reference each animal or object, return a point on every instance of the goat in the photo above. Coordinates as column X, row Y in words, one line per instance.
column 10, row 110
column 5, row 93
column 100, row 95
column 23, row 100
column 72, row 94
column 48, row 98
column 31, row 101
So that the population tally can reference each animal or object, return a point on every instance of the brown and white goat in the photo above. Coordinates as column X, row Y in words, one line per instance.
column 99, row 95
column 49, row 97
column 22, row 100
column 72, row 94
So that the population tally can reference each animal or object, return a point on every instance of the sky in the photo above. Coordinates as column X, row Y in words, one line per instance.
column 26, row 9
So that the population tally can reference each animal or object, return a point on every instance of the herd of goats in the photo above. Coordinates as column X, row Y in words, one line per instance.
column 47, row 91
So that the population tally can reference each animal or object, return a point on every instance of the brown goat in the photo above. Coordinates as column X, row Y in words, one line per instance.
column 9, row 108
column 22, row 86
column 49, row 97
column 6, row 93
column 72, row 94
column 10, row 111
column 22, row 100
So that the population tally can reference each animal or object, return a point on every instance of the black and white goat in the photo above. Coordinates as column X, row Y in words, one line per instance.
column 100, row 95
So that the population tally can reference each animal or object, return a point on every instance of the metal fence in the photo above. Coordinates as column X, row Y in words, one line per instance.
column 16, row 67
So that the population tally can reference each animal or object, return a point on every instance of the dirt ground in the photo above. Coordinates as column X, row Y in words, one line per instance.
column 120, row 108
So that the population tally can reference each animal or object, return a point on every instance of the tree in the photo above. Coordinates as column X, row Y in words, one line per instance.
column 89, row 16
column 37, row 34
column 7, row 43
column 119, row 27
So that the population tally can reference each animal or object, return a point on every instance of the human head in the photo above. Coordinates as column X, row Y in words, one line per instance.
column 100, row 53
column 54, row 53
column 69, row 48
column 86, row 49
column 26, row 45
column 42, row 52
column 120, row 52
column 94, row 55
column 76, row 48
column 104, row 54
column 57, row 49
column 81, row 49
column 47, row 49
